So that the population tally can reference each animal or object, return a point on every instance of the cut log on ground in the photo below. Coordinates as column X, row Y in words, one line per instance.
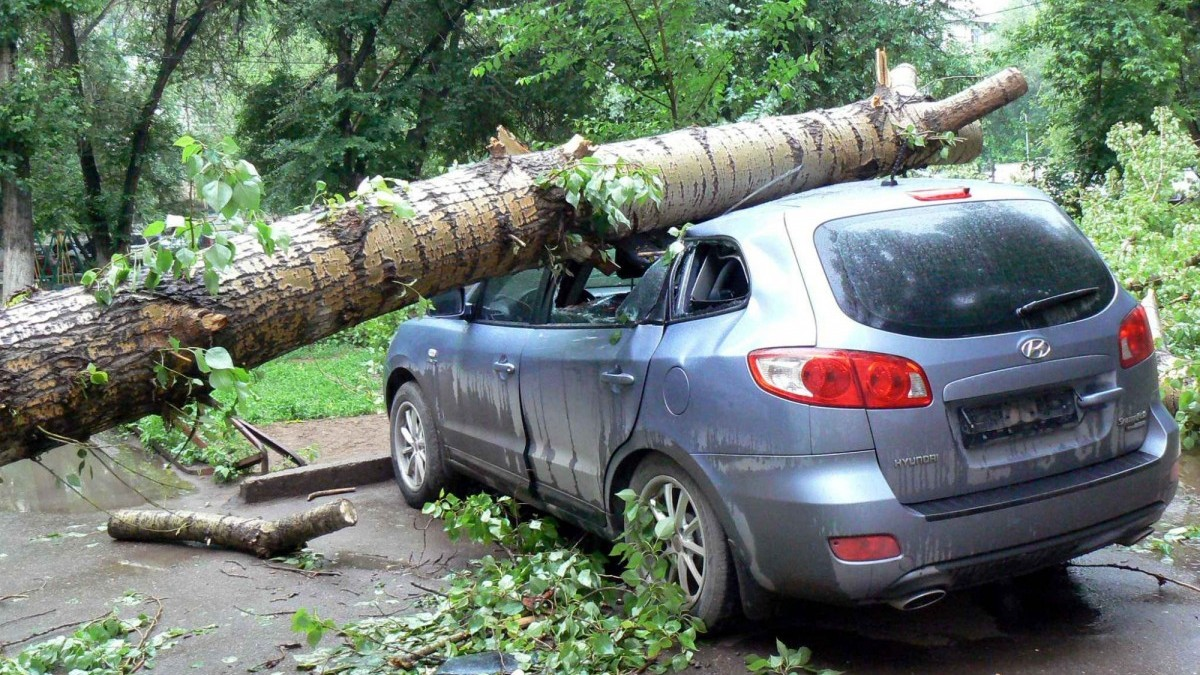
column 475, row 222
column 263, row 538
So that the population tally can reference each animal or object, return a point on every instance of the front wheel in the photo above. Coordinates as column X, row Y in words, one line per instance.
column 417, row 453
column 697, row 550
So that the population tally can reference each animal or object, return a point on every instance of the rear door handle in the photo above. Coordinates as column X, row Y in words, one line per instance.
column 504, row 367
column 1100, row 398
column 617, row 378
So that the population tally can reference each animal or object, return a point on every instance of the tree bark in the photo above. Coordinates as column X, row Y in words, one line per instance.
column 16, row 205
column 348, row 268
column 263, row 538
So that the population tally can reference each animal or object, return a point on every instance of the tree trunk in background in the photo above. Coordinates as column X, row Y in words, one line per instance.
column 98, row 228
column 16, row 206
column 346, row 269
column 174, row 48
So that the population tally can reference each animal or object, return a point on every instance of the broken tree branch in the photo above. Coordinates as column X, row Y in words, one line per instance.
column 263, row 538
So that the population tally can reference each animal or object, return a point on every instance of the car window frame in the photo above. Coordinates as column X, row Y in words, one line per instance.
column 685, row 257
column 539, row 309
column 656, row 317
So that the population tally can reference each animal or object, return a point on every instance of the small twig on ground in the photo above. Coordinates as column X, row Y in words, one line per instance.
column 329, row 493
column 285, row 598
column 270, row 664
column 231, row 574
column 308, row 573
column 427, row 589
column 5, row 645
column 26, row 618
column 146, row 633
column 24, row 595
column 251, row 612
column 1162, row 580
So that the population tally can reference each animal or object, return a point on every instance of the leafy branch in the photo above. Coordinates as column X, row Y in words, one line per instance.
column 601, row 192
column 231, row 189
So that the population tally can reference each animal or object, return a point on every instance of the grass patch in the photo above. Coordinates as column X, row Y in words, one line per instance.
column 315, row 382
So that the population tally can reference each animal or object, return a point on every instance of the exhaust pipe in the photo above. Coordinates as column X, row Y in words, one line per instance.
column 918, row 600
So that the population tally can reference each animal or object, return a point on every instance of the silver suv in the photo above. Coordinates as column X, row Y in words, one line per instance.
column 858, row 394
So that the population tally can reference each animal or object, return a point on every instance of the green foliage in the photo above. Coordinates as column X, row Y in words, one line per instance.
column 315, row 382
column 312, row 626
column 91, row 377
column 1136, row 55
column 1164, row 546
column 305, row 559
column 232, row 190
column 223, row 446
column 1152, row 243
column 601, row 192
column 785, row 662
column 373, row 334
column 648, row 66
column 541, row 596
column 916, row 138
column 107, row 646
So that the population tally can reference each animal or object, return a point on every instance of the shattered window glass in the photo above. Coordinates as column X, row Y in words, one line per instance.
column 513, row 298
column 606, row 299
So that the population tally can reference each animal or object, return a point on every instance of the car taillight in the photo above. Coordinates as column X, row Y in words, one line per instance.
column 865, row 548
column 840, row 378
column 1134, row 340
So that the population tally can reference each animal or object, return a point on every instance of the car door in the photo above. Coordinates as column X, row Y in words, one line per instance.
column 582, row 376
column 479, row 399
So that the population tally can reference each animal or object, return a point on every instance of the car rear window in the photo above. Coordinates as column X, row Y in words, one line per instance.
column 956, row 270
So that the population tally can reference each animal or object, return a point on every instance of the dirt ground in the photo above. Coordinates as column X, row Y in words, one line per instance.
column 335, row 439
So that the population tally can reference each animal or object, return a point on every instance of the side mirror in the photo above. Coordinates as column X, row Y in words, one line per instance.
column 448, row 304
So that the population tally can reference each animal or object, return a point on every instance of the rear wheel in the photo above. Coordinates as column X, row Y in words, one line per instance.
column 698, row 550
column 417, row 452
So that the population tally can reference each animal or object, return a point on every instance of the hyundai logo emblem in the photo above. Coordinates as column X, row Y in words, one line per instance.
column 1035, row 348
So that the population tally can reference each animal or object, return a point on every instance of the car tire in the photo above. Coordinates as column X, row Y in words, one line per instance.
column 714, row 597
column 418, row 456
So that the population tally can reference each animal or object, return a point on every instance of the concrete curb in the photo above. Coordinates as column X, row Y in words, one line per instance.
column 308, row 479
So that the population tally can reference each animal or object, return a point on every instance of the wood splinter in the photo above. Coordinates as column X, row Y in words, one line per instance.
column 263, row 538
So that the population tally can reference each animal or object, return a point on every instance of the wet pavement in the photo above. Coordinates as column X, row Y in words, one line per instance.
column 1082, row 620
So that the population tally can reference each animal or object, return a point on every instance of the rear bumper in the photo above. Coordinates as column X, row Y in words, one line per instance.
column 781, row 511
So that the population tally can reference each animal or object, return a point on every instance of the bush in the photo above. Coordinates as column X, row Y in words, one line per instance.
column 1145, row 221
column 373, row 334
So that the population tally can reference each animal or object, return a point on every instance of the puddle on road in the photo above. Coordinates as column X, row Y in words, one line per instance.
column 27, row 487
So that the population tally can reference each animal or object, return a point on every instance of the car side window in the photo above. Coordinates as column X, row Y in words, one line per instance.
column 513, row 298
column 594, row 297
column 711, row 278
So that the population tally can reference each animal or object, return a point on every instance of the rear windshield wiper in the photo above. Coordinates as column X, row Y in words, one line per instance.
column 1055, row 300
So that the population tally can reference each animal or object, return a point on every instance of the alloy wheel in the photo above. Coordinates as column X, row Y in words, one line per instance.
column 408, row 444
column 685, row 550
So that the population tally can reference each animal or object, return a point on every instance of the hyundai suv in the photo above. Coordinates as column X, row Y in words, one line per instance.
column 858, row 394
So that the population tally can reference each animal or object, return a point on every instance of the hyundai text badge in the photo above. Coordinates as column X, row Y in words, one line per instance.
column 1035, row 348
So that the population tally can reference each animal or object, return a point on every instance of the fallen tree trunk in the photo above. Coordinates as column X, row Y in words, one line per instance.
column 468, row 224
column 263, row 538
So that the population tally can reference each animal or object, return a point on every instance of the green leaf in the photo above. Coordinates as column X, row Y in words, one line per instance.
column 222, row 380
column 216, row 194
column 154, row 229
column 212, row 282
column 664, row 528
column 218, row 358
